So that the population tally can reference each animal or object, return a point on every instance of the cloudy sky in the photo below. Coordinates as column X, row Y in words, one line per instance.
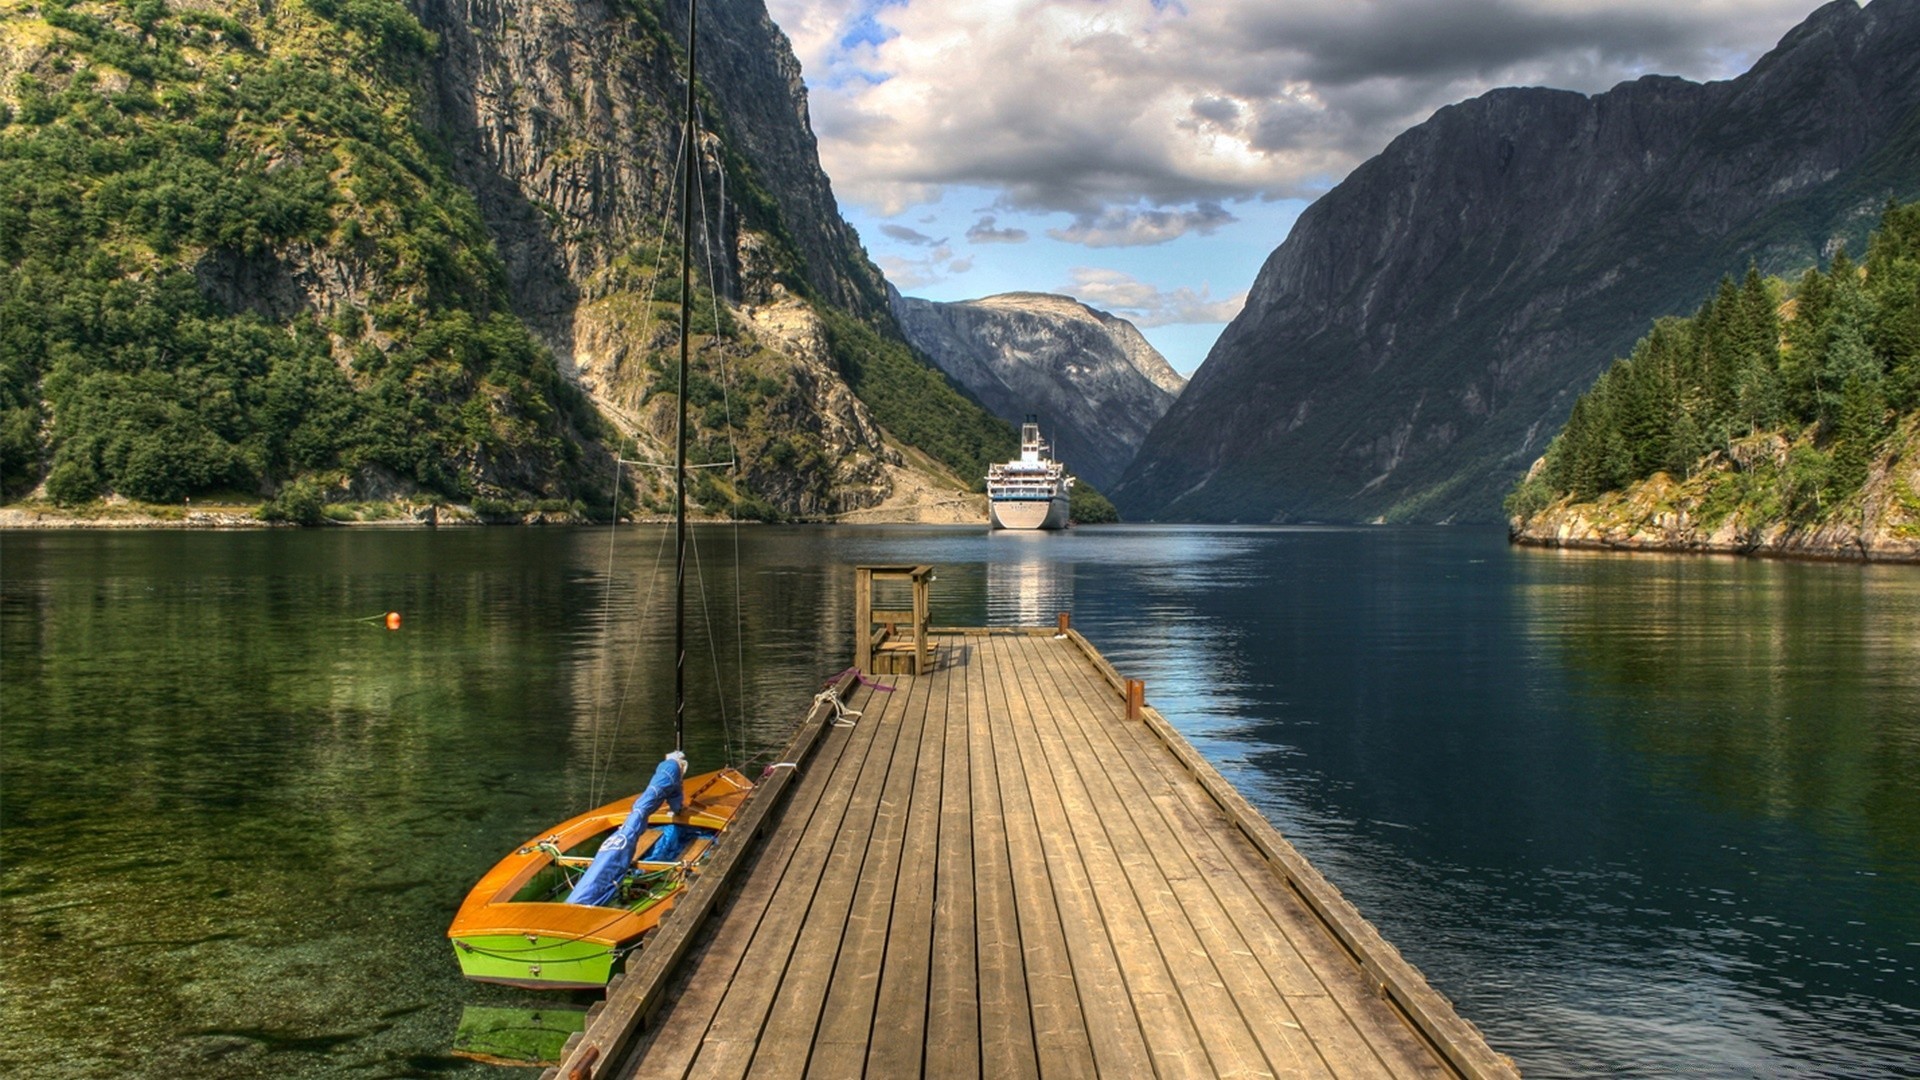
column 1145, row 156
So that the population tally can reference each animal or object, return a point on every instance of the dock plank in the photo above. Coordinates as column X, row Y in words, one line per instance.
column 1242, row 1018
column 1225, row 916
column 675, row 1036
column 726, row 1046
column 896, row 1021
column 787, row 1038
column 1194, row 966
column 1112, row 1014
column 846, row 1019
column 1003, row 964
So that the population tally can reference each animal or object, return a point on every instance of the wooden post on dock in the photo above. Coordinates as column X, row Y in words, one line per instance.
column 1066, row 623
column 1136, row 698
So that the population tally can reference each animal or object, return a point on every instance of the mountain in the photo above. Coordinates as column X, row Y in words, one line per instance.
column 427, row 252
column 1095, row 383
column 1427, row 324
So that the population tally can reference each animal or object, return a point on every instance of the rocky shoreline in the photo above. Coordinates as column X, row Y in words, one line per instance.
column 916, row 500
column 1878, row 524
column 1793, row 547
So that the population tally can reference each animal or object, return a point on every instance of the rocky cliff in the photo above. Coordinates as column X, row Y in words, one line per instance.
column 563, row 119
column 1095, row 383
column 1425, row 327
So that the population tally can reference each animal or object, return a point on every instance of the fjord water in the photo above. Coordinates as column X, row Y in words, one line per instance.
column 1636, row 815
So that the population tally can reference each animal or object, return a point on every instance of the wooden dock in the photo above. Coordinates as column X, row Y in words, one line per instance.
column 994, row 871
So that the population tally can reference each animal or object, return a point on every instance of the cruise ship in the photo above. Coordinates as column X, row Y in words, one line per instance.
column 1030, row 493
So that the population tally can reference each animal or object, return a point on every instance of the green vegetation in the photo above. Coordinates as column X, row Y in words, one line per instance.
column 1787, row 392
column 163, row 176
column 915, row 400
column 1087, row 506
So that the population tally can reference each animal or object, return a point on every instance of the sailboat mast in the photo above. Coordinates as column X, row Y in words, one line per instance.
column 688, row 149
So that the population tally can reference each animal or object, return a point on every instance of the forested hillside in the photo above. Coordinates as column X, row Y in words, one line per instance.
column 286, row 251
column 146, row 151
column 1778, row 416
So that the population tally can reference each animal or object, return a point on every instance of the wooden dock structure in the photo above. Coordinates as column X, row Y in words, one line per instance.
column 1010, row 866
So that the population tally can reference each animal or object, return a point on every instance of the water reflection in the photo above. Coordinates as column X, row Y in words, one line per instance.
column 1637, row 816
column 1024, row 587
column 1763, row 688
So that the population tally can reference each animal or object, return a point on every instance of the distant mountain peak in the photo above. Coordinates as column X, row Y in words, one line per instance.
column 1095, row 382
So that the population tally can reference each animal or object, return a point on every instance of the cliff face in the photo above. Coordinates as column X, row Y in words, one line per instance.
column 1425, row 328
column 1095, row 383
column 563, row 118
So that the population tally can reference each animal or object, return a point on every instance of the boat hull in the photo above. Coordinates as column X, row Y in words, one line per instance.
column 535, row 961
column 514, row 929
column 1029, row 513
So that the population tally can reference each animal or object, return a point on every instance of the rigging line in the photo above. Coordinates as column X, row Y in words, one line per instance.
column 709, row 228
column 600, row 765
column 652, row 290
column 682, row 157
column 691, row 137
column 604, row 768
column 733, row 453
column 606, row 625
column 739, row 629
column 713, row 653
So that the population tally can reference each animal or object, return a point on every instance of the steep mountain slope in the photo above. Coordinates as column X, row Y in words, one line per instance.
column 1095, row 383
column 383, row 249
column 1428, row 323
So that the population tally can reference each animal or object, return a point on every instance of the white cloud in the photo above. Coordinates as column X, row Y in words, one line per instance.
column 939, row 264
column 1085, row 106
column 1144, row 304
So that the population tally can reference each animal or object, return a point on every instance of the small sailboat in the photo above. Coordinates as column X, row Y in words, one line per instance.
column 561, row 910
column 548, row 917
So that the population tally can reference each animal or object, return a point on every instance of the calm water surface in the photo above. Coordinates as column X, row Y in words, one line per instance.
column 1636, row 815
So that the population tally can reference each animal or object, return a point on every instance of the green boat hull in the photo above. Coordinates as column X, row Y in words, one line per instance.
column 542, row 963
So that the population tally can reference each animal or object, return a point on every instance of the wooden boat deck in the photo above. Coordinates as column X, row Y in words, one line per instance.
column 994, row 872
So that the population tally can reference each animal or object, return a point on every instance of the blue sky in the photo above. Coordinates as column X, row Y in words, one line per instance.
column 1146, row 156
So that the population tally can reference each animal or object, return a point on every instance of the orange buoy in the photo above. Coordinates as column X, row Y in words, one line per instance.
column 393, row 620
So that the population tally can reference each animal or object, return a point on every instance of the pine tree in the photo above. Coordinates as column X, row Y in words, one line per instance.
column 1845, row 354
column 1805, row 345
column 1758, row 400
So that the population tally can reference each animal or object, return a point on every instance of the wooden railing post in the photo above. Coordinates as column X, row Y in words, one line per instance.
column 1066, row 621
column 1136, row 698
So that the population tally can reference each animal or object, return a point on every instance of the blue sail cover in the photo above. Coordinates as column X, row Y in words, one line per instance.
column 601, row 882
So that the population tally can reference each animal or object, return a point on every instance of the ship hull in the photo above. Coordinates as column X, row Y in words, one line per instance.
column 1029, row 513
